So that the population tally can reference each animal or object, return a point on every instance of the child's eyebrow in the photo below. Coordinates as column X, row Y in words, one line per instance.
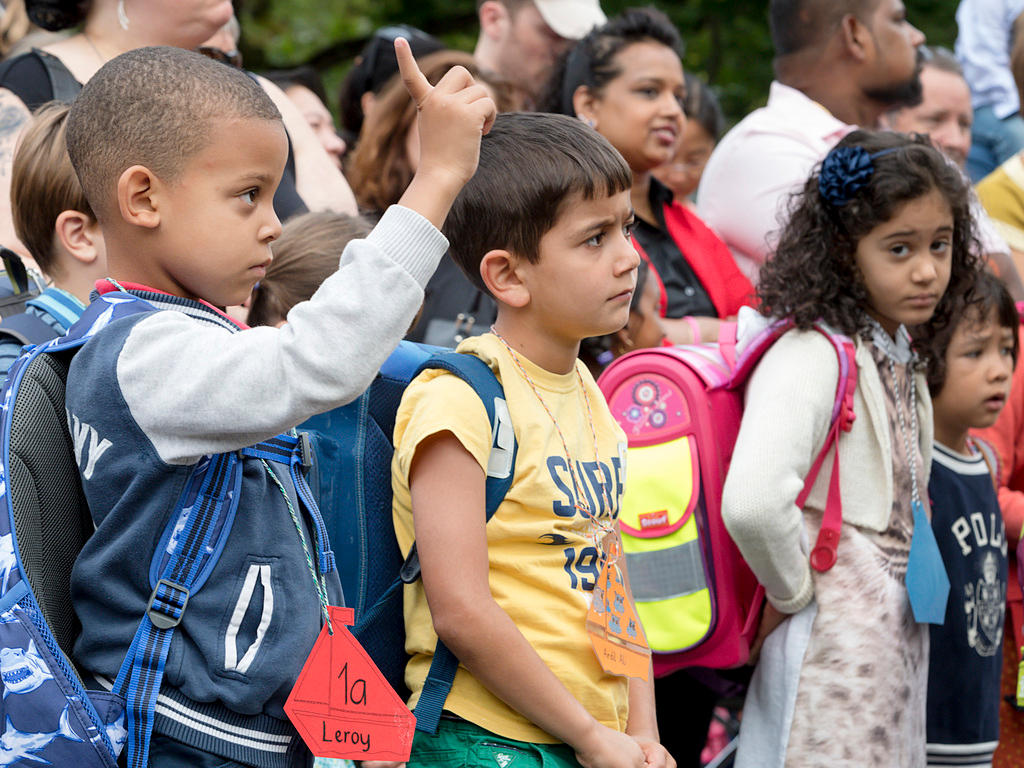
column 261, row 178
column 912, row 232
column 597, row 225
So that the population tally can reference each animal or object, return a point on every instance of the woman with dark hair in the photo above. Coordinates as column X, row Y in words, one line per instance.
column 109, row 28
column 625, row 79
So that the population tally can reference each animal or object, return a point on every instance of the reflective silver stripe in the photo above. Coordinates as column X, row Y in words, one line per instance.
column 667, row 573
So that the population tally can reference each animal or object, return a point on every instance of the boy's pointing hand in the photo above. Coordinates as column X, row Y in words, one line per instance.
column 453, row 115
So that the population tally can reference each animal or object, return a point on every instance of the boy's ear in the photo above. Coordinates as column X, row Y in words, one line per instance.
column 583, row 103
column 137, row 192
column 502, row 274
column 80, row 236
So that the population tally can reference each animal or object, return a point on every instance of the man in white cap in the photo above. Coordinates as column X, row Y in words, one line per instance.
column 521, row 39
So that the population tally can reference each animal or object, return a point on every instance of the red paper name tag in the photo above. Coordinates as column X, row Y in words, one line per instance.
column 342, row 706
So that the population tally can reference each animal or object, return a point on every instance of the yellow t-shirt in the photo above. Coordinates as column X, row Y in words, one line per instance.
column 543, row 562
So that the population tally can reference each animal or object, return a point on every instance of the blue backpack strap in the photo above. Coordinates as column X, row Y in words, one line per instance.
column 296, row 452
column 189, row 548
column 101, row 313
column 60, row 305
column 27, row 329
column 500, row 471
column 98, row 315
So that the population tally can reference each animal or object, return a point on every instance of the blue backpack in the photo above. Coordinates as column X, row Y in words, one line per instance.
column 48, row 714
column 352, row 477
column 20, row 288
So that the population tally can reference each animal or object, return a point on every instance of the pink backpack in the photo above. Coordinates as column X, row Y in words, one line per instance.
column 681, row 409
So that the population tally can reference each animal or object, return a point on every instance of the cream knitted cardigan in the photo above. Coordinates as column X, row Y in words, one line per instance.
column 788, row 408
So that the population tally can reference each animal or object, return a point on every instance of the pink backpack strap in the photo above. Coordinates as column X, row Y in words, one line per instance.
column 743, row 364
column 823, row 555
column 727, row 343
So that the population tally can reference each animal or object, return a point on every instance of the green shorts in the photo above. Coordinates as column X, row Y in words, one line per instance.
column 460, row 744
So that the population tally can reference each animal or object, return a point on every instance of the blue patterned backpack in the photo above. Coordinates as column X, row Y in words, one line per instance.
column 49, row 717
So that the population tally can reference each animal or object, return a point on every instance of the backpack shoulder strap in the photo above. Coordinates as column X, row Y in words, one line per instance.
column 60, row 305
column 991, row 459
column 26, row 329
column 98, row 315
column 189, row 548
column 475, row 372
column 500, row 470
column 823, row 555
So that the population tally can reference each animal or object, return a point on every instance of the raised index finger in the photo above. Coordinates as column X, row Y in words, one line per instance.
column 415, row 83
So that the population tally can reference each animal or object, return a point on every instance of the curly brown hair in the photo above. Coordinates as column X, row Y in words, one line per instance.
column 813, row 274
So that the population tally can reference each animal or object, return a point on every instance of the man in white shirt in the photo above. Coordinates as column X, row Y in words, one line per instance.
column 839, row 64
column 520, row 40
column 988, row 40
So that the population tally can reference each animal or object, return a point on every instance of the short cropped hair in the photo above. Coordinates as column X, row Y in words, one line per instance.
column 530, row 165
column 800, row 24
column 43, row 184
column 154, row 107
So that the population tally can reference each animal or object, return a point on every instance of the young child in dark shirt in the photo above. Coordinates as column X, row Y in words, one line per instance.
column 970, row 367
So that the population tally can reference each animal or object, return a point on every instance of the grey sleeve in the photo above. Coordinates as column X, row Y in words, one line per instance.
column 195, row 389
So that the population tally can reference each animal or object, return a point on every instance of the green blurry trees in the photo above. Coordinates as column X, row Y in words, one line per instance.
column 727, row 41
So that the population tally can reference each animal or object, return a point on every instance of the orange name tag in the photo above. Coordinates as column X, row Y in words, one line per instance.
column 614, row 628
column 342, row 706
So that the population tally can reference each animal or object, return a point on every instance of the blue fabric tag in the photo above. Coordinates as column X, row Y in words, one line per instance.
column 927, row 582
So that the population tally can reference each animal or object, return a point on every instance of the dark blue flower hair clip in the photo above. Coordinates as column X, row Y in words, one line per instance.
column 845, row 171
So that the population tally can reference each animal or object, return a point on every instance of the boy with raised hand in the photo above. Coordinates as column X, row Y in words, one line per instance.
column 543, row 226
column 179, row 157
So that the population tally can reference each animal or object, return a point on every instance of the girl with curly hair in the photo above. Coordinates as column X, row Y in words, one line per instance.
column 879, row 240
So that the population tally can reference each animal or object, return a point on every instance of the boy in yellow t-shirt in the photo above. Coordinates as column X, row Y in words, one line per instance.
column 543, row 227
